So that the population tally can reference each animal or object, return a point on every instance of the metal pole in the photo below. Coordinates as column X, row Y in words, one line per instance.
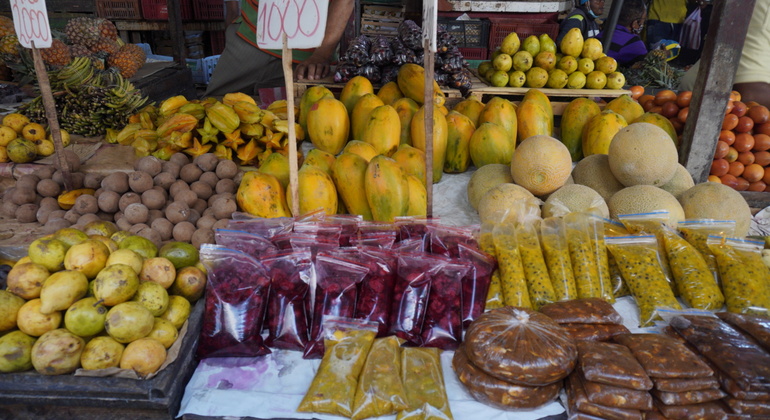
column 609, row 25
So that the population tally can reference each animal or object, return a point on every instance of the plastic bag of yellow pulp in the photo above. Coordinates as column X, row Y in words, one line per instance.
column 745, row 278
column 380, row 389
column 424, row 384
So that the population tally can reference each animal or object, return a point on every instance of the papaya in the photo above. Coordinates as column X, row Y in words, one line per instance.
column 575, row 116
column 320, row 159
column 383, row 130
column 360, row 115
column 412, row 161
column 442, row 109
column 353, row 90
column 660, row 121
column 348, row 172
column 625, row 106
column 309, row 97
column 439, row 139
column 316, row 191
column 360, row 148
column 386, row 188
column 598, row 133
column 490, row 144
column 389, row 93
column 261, row 195
column 328, row 125
column 501, row 112
column 471, row 108
column 418, row 197
column 411, row 81
column 277, row 164
column 459, row 131
column 67, row 199
column 535, row 115
column 406, row 108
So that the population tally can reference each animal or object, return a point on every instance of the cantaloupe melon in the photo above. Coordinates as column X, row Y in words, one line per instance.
column 502, row 203
column 575, row 198
column 642, row 154
column 594, row 172
column 486, row 178
column 680, row 182
column 541, row 164
column 645, row 199
column 712, row 200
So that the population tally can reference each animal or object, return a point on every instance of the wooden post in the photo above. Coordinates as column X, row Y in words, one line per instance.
column 288, row 77
column 721, row 52
column 429, row 46
column 176, row 30
column 50, row 114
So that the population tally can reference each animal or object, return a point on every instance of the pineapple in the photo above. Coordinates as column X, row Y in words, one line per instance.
column 78, row 50
column 9, row 44
column 6, row 26
column 107, row 29
column 127, row 60
column 57, row 55
column 105, row 45
column 82, row 30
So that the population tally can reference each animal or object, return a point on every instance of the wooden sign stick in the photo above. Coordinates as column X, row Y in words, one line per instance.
column 51, row 116
column 288, row 77
column 429, row 46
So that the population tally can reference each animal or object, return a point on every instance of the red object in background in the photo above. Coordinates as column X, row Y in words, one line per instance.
column 217, row 42
column 158, row 9
column 523, row 27
column 474, row 53
column 118, row 9
column 208, row 10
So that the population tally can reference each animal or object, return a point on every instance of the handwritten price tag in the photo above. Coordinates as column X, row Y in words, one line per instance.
column 303, row 21
column 30, row 19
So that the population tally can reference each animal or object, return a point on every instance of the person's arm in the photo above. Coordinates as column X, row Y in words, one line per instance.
column 232, row 11
column 317, row 65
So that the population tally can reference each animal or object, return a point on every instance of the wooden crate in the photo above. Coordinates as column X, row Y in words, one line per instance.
column 381, row 20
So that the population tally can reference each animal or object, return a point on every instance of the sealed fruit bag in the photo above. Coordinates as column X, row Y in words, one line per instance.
column 443, row 324
column 584, row 264
column 380, row 390
column 513, row 281
column 346, row 343
column 665, row 357
column 580, row 406
column 745, row 278
column 475, row 283
column 553, row 240
column 267, row 228
column 288, row 317
column 445, row 239
column 652, row 223
column 410, row 227
column 348, row 225
column 612, row 364
column 599, row 249
column 249, row 243
column 535, row 270
column 697, row 231
column 692, row 276
column 638, row 261
column 426, row 396
column 583, row 311
column 485, row 239
column 236, row 299
column 756, row 326
column 335, row 295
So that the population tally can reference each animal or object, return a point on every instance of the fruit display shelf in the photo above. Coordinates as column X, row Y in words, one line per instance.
column 32, row 395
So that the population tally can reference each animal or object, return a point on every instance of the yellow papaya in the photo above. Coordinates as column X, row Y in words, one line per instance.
column 501, row 112
column 660, row 121
column 574, row 117
column 222, row 117
column 389, row 93
column 386, row 188
column 412, row 161
column 625, row 106
column 439, row 139
column 442, row 109
column 328, row 125
column 490, row 144
column 348, row 173
column 316, row 191
column 471, row 108
column 277, row 165
column 406, row 108
column 360, row 148
column 459, row 131
column 360, row 115
column 598, row 133
column 411, row 81
column 418, row 197
column 353, row 90
column 383, row 130
column 320, row 159
column 535, row 115
column 309, row 97
column 67, row 199
column 261, row 195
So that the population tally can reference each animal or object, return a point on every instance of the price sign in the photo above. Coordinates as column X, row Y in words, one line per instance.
column 303, row 22
column 30, row 19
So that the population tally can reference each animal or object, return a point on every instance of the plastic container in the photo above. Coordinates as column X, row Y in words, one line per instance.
column 468, row 33
column 118, row 9
column 501, row 27
column 158, row 9
column 208, row 10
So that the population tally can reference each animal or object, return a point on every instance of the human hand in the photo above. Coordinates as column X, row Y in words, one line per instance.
column 312, row 69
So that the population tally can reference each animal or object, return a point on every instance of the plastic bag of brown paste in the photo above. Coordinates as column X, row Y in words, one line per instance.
column 582, row 311
column 426, row 396
column 615, row 396
column 755, row 326
column 709, row 410
column 663, row 356
column 380, row 389
column 576, row 396
column 688, row 397
column 612, row 364
column 594, row 332
column 754, row 408
column 685, row 384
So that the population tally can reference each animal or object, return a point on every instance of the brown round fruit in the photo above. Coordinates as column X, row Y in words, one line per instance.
column 669, row 109
column 753, row 172
column 683, row 113
column 759, row 114
column 739, row 108
column 743, row 142
column 719, row 167
column 762, row 158
column 729, row 180
column 721, row 150
column 736, row 169
column 758, row 186
column 745, row 124
column 741, row 184
column 746, row 158
column 665, row 95
column 684, row 98
column 727, row 136
column 729, row 122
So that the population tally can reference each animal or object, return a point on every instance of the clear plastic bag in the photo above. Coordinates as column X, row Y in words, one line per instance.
column 599, row 248
column 612, row 364
column 288, row 308
column 513, row 282
column 663, row 356
column 325, row 231
column 249, row 243
column 577, row 398
column 615, row 396
column 652, row 224
column 410, row 295
column 637, row 258
column 494, row 298
column 557, row 258
column 375, row 292
column 593, row 332
column 734, row 390
column 383, row 240
column 584, row 265
column 709, row 410
column 745, row 278
column 236, row 299
column 335, row 295
column 445, row 239
column 410, row 245
column 475, row 284
column 752, row 408
column 443, row 325
column 737, row 356
column 619, row 288
column 424, row 384
column 697, row 231
column 267, row 228
column 685, row 384
column 410, row 227
column 582, row 311
column 688, row 397
column 755, row 326
column 535, row 270
column 694, row 281
column 498, row 393
column 313, row 242
column 521, row 346
column 380, row 390
column 348, row 224
column 333, row 389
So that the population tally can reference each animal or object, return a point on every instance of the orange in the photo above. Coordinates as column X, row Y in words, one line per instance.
column 636, row 91
column 745, row 124
column 741, row 183
column 743, row 142
column 729, row 122
column 722, row 149
column 727, row 136
column 736, row 169
column 762, row 158
column 759, row 114
column 746, row 158
column 714, row 178
column 753, row 173
column 758, row 186
column 761, row 142
column 719, row 167
column 739, row 108
column 665, row 95
column 684, row 98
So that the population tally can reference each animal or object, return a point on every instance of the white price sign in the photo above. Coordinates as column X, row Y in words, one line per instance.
column 30, row 19
column 303, row 22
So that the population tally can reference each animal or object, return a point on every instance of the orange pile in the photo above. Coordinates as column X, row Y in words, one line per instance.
column 672, row 105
